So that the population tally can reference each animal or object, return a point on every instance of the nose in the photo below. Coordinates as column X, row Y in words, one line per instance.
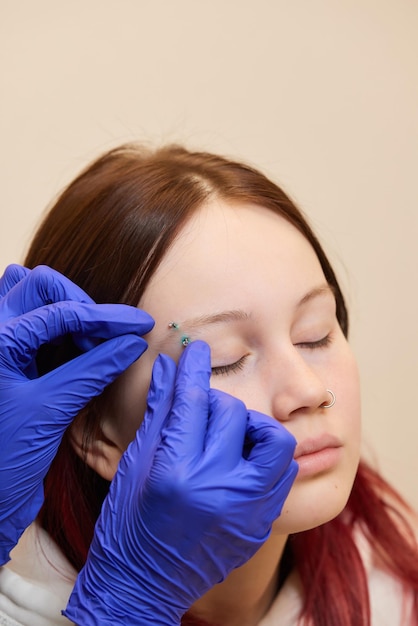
column 295, row 386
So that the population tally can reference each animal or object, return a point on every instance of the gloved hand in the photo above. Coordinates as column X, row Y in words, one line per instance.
column 187, row 504
column 37, row 307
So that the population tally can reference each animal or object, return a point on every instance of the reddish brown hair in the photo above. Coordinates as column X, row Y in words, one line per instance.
column 108, row 232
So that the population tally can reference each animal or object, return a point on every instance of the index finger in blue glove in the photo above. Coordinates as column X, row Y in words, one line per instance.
column 159, row 402
column 139, row 456
column 25, row 334
column 185, row 434
column 69, row 387
column 12, row 275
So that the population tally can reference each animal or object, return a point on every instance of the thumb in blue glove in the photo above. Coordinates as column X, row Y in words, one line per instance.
column 186, row 505
column 39, row 307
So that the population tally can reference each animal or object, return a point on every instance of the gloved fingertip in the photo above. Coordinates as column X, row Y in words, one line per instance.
column 148, row 319
column 126, row 349
column 16, row 272
column 163, row 378
column 13, row 274
column 163, row 370
column 145, row 321
column 195, row 362
column 266, row 435
column 129, row 317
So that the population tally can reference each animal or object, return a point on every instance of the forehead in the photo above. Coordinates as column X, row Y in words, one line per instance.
column 231, row 249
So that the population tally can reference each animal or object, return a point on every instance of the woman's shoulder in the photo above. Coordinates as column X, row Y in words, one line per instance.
column 36, row 583
column 391, row 604
column 5, row 620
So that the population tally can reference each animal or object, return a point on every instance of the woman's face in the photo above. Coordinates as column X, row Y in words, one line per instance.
column 248, row 283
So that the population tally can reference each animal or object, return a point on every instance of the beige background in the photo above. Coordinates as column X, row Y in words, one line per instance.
column 322, row 95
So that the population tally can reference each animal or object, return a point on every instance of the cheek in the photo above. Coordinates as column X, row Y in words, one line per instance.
column 348, row 388
column 127, row 402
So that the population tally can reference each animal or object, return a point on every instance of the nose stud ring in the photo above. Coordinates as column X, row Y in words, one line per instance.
column 331, row 402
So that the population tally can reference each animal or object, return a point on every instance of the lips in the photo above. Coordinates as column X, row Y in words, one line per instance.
column 318, row 456
column 314, row 445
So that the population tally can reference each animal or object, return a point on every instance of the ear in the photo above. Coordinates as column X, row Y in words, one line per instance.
column 102, row 453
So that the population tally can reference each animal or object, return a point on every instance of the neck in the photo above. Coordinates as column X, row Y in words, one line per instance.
column 247, row 593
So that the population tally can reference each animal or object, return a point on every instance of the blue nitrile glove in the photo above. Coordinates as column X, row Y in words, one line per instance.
column 186, row 505
column 37, row 307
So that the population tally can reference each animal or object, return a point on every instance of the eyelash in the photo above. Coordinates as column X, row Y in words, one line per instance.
column 313, row 345
column 231, row 368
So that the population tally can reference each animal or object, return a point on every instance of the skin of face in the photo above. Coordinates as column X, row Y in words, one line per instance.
column 247, row 282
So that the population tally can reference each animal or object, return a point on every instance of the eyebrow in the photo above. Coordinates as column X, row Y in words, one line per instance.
column 235, row 315
column 322, row 290
column 238, row 315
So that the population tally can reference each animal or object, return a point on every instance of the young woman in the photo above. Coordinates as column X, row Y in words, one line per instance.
column 214, row 251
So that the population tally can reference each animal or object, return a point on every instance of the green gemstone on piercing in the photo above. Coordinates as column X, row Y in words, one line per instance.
column 173, row 325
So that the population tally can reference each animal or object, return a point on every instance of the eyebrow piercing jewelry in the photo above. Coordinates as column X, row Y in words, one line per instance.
column 185, row 340
column 331, row 403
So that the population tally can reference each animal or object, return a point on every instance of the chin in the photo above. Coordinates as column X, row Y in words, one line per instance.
column 311, row 505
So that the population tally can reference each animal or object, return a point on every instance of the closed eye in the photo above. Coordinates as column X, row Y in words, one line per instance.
column 220, row 370
column 312, row 345
column 231, row 368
